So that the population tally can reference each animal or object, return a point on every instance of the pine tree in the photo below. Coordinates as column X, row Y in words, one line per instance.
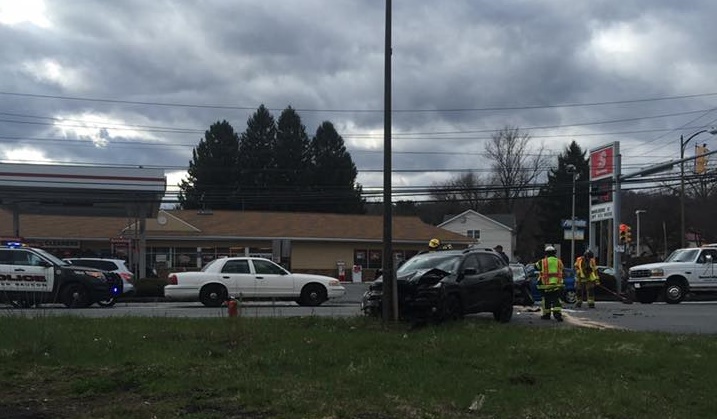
column 292, row 162
column 256, row 166
column 212, row 170
column 334, row 174
column 555, row 198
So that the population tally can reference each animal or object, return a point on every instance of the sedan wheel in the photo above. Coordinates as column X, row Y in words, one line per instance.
column 312, row 295
column 213, row 295
column 570, row 297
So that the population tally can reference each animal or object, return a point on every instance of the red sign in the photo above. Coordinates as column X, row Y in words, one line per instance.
column 602, row 162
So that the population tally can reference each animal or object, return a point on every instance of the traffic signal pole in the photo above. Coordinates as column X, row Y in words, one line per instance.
column 617, row 260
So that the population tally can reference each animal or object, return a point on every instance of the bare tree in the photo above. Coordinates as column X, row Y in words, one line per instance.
column 515, row 165
column 467, row 189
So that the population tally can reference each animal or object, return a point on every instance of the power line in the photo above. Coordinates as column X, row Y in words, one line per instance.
column 233, row 107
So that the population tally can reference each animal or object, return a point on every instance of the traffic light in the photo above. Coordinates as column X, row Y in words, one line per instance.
column 628, row 234
column 624, row 228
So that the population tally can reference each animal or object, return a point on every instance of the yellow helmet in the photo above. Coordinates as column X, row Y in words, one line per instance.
column 434, row 243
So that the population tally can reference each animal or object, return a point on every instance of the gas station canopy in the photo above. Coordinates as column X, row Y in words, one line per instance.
column 81, row 190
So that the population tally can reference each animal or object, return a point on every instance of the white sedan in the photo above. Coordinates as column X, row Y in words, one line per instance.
column 250, row 278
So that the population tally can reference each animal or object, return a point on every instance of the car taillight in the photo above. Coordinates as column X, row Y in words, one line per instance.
column 127, row 276
column 172, row 279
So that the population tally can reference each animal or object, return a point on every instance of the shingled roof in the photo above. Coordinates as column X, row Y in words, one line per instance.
column 192, row 224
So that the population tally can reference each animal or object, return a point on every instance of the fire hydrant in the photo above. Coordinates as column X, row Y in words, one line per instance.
column 233, row 307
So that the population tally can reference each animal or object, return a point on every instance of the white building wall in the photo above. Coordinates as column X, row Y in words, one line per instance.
column 492, row 233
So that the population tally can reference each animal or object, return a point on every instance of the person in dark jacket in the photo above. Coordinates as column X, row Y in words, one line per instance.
column 502, row 254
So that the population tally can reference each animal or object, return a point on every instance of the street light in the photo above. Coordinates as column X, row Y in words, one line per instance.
column 683, row 144
column 637, row 214
column 572, row 171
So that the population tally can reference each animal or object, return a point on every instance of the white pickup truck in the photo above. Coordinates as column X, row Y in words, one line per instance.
column 685, row 270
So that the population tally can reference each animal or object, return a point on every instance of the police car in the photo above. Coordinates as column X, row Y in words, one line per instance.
column 31, row 276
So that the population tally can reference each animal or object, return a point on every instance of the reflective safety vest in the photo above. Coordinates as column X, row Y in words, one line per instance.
column 551, row 273
column 581, row 269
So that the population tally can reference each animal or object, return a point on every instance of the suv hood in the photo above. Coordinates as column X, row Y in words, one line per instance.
column 415, row 276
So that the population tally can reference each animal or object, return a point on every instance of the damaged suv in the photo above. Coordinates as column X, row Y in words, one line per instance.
column 447, row 284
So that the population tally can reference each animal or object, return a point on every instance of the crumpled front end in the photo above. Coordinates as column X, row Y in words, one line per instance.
column 420, row 296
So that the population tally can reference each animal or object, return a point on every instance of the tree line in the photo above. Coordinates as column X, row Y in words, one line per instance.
column 272, row 166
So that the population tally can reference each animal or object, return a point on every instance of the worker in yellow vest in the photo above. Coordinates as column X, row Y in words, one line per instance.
column 586, row 278
column 550, row 284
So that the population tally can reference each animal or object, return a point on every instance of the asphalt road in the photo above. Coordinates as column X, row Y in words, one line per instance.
column 691, row 317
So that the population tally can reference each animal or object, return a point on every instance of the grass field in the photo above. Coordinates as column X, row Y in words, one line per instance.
column 67, row 367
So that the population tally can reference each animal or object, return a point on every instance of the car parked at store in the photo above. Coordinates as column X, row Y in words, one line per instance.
column 113, row 266
column 448, row 284
column 250, row 278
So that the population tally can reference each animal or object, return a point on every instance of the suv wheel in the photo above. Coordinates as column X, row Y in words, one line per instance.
column 452, row 309
column 505, row 312
column 75, row 295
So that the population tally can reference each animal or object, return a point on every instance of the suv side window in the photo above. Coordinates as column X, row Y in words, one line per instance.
column 489, row 262
column 471, row 262
column 6, row 257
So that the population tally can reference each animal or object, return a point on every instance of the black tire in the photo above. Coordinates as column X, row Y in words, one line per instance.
column 452, row 309
column 505, row 312
column 675, row 292
column 312, row 295
column 75, row 295
column 570, row 297
column 213, row 295
column 646, row 296
column 107, row 303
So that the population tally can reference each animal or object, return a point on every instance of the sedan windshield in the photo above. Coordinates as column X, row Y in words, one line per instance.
column 683, row 255
column 445, row 262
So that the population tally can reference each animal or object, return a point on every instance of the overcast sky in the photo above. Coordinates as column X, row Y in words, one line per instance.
column 137, row 82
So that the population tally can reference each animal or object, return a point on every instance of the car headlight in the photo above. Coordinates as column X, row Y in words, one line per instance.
column 334, row 283
column 95, row 274
column 657, row 272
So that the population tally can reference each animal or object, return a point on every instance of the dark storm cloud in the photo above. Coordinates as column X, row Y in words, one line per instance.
column 325, row 58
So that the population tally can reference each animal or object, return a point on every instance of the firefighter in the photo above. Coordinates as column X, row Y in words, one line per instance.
column 586, row 278
column 550, row 284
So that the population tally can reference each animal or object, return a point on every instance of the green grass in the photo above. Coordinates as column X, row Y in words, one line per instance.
column 314, row 367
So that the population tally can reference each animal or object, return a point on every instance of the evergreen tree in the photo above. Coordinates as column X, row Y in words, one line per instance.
column 292, row 162
column 212, row 170
column 555, row 198
column 256, row 166
column 334, row 174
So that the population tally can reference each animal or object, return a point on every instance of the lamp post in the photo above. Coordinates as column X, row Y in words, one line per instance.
column 683, row 144
column 637, row 214
column 572, row 171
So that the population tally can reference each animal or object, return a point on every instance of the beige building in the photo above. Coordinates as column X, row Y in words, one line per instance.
column 187, row 239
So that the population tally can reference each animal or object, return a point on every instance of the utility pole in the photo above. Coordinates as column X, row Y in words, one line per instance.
column 637, row 214
column 390, row 291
